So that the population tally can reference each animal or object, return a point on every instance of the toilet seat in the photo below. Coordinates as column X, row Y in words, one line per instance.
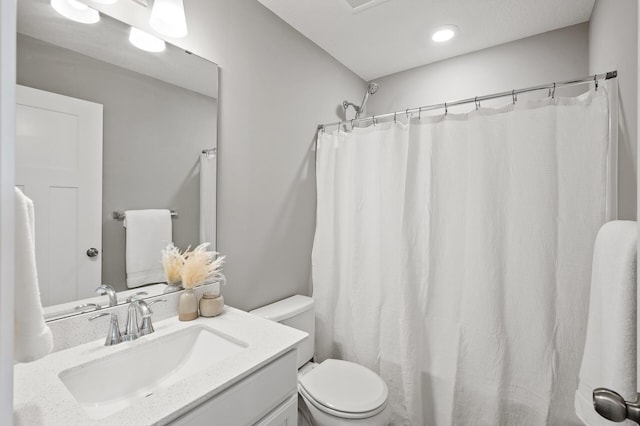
column 344, row 389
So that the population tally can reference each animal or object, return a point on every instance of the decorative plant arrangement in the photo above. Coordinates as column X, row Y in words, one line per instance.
column 192, row 268
column 172, row 262
column 200, row 266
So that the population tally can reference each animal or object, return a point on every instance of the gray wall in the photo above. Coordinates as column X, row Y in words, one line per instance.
column 276, row 86
column 613, row 44
column 553, row 56
column 608, row 43
column 153, row 134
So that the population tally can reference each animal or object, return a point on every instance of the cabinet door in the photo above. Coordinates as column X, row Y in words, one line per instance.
column 286, row 414
column 249, row 400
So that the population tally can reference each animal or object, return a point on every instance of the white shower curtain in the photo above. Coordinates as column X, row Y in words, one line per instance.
column 452, row 256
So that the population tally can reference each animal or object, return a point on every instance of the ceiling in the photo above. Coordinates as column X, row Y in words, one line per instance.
column 382, row 37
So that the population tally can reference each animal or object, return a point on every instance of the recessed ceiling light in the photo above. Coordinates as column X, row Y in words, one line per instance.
column 444, row 33
column 146, row 41
column 76, row 11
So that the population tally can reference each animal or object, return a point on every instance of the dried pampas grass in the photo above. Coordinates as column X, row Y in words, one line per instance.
column 200, row 266
column 172, row 262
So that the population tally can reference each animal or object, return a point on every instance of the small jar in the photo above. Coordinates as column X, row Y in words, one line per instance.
column 211, row 304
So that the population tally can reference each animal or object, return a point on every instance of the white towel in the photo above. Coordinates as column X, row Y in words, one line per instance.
column 208, row 199
column 33, row 338
column 148, row 232
column 609, row 358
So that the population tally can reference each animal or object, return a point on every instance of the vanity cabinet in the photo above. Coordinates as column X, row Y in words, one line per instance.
column 267, row 397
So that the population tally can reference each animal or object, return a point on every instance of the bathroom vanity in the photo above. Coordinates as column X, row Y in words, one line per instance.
column 235, row 369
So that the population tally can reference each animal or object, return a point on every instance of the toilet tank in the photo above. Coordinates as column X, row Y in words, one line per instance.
column 297, row 312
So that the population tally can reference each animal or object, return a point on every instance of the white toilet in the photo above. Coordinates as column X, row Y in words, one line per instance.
column 334, row 392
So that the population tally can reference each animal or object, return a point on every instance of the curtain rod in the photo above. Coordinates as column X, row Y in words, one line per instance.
column 513, row 93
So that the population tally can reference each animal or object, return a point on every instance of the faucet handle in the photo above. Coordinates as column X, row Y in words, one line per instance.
column 147, row 326
column 86, row 307
column 150, row 304
column 113, row 335
column 133, row 297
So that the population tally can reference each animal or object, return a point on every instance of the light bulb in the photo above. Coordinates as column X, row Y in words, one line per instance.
column 146, row 41
column 167, row 17
column 76, row 11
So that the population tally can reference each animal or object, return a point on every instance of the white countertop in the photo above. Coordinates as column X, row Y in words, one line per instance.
column 40, row 397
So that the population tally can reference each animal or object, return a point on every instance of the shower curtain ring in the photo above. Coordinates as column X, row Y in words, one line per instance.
column 395, row 117
column 514, row 96
column 407, row 112
column 595, row 80
column 553, row 93
column 446, row 110
column 374, row 121
column 420, row 113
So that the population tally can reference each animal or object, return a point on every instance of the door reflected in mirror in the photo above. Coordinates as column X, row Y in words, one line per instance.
column 105, row 127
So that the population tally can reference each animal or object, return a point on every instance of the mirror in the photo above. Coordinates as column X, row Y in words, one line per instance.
column 155, row 113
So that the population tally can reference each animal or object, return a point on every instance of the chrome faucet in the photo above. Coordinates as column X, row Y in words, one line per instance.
column 145, row 310
column 133, row 329
column 113, row 335
column 110, row 292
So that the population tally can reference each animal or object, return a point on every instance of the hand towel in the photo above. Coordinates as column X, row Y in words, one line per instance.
column 609, row 358
column 147, row 233
column 33, row 338
column 208, row 199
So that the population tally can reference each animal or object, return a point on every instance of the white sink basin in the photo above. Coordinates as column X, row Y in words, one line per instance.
column 110, row 384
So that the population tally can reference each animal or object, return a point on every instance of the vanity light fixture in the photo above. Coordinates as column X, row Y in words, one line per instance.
column 444, row 33
column 146, row 41
column 167, row 17
column 76, row 11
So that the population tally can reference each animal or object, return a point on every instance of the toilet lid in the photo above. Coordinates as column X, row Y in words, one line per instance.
column 345, row 386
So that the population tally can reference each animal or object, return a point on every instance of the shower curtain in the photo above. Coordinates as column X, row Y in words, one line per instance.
column 452, row 256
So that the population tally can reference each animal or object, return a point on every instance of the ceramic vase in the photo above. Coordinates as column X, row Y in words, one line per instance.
column 188, row 305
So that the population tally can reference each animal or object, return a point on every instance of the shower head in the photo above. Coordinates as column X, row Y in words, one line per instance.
column 372, row 88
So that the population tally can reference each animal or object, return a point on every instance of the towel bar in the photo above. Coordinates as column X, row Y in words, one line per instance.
column 121, row 215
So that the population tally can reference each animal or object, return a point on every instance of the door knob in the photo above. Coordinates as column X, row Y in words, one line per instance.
column 612, row 406
column 92, row 252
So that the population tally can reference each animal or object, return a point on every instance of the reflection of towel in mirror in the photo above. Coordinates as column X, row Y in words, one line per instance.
column 208, row 199
column 33, row 338
column 148, row 233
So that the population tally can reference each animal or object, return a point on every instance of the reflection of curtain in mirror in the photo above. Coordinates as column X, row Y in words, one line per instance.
column 452, row 256
column 208, row 198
